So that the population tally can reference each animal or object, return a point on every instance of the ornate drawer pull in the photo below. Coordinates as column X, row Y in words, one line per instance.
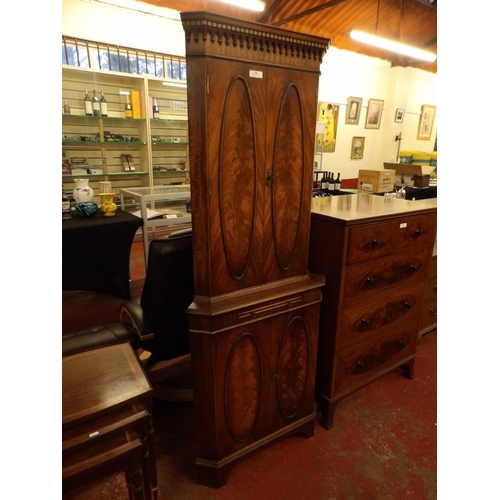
column 401, row 343
column 419, row 232
column 407, row 304
column 274, row 375
column 433, row 312
column 413, row 267
column 365, row 322
column 377, row 243
column 359, row 364
column 370, row 281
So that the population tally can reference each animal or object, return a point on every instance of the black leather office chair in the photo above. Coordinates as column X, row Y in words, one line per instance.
column 155, row 322
column 159, row 315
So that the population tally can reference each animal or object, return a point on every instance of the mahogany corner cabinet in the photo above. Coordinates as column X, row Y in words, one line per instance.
column 252, row 97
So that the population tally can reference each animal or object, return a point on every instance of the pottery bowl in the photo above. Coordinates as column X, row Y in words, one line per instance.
column 87, row 209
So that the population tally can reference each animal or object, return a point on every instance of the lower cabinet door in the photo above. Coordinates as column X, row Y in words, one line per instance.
column 263, row 379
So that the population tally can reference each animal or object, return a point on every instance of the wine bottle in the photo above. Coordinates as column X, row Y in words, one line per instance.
column 128, row 108
column 337, row 182
column 324, row 182
column 331, row 183
column 156, row 109
column 66, row 206
column 88, row 104
column 104, row 105
column 66, row 109
column 96, row 107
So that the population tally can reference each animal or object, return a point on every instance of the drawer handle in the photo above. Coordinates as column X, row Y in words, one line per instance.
column 359, row 364
column 377, row 243
column 274, row 375
column 365, row 322
column 370, row 281
column 401, row 343
column 419, row 232
column 413, row 267
column 269, row 178
column 433, row 312
column 408, row 305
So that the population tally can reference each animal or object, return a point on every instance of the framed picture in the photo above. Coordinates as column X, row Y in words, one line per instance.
column 328, row 114
column 353, row 110
column 357, row 148
column 400, row 114
column 426, row 122
column 374, row 113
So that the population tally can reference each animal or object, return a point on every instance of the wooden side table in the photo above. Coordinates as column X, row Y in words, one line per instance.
column 105, row 392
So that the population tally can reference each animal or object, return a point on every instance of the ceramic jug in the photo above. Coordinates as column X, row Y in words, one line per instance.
column 83, row 193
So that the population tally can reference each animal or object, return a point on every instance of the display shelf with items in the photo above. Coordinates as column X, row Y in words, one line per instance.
column 160, row 207
column 118, row 135
column 169, row 132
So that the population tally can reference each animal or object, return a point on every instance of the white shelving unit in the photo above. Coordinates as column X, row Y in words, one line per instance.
column 158, row 148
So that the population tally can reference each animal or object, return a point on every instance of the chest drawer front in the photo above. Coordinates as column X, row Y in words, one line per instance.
column 361, row 322
column 378, row 240
column 367, row 281
column 367, row 242
column 416, row 231
column 358, row 365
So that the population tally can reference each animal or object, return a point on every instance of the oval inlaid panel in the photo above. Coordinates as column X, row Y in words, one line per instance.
column 243, row 387
column 293, row 367
column 237, row 177
column 288, row 172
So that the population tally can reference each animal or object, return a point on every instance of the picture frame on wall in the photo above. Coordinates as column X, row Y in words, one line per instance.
column 357, row 148
column 374, row 113
column 400, row 114
column 426, row 122
column 328, row 114
column 353, row 110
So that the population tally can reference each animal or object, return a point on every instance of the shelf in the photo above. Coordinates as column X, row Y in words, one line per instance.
column 104, row 143
column 113, row 174
column 68, row 118
column 169, row 143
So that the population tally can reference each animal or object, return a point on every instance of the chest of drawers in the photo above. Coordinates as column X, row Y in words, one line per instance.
column 374, row 253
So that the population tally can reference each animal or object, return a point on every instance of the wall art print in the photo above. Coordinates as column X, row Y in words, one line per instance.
column 328, row 114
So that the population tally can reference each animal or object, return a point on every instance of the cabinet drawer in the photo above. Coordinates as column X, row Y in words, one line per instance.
column 360, row 322
column 367, row 242
column 378, row 240
column 416, row 231
column 359, row 365
column 367, row 281
column 428, row 316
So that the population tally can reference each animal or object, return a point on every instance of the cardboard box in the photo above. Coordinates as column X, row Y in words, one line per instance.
column 376, row 181
column 406, row 172
column 135, row 100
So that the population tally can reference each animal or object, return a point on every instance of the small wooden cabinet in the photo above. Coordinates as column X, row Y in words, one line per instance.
column 374, row 253
column 252, row 95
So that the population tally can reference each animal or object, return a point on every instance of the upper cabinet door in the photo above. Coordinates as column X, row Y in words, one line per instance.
column 252, row 93
column 290, row 123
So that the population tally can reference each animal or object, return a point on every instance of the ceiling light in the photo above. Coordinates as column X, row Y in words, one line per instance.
column 400, row 48
column 247, row 4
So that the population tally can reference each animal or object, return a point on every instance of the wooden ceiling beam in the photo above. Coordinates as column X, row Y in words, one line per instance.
column 269, row 11
column 306, row 13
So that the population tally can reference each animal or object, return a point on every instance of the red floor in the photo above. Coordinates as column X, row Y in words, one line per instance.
column 382, row 445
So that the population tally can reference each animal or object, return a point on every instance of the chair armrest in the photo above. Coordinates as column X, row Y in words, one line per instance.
column 131, row 312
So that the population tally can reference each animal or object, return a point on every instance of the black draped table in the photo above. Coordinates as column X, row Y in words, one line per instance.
column 96, row 252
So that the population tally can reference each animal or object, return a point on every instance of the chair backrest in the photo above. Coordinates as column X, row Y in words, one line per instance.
column 167, row 293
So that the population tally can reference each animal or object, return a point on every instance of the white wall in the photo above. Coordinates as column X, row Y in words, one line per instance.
column 343, row 74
